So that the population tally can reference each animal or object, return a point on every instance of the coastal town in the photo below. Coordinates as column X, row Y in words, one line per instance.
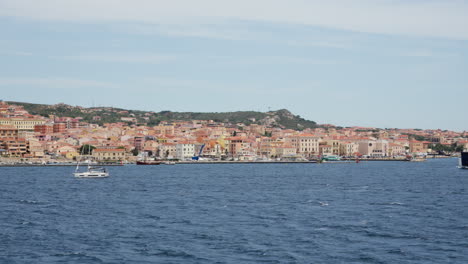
column 31, row 138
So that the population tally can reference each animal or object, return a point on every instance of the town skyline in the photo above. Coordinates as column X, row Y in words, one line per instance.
column 354, row 63
column 93, row 105
column 245, row 110
column 62, row 133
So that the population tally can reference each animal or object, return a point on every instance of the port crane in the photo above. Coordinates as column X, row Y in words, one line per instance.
column 199, row 153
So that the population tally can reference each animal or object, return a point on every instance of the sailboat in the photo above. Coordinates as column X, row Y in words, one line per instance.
column 92, row 171
column 463, row 160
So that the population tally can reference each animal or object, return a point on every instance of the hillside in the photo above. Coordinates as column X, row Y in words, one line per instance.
column 280, row 118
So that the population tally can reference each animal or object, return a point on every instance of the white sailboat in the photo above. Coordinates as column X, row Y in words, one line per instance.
column 91, row 172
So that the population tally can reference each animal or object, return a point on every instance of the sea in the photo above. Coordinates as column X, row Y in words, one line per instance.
column 368, row 212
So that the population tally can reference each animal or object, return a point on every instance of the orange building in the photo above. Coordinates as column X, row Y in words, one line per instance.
column 8, row 132
column 417, row 146
column 44, row 129
column 60, row 127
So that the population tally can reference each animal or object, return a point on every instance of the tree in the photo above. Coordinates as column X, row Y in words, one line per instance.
column 135, row 152
column 86, row 149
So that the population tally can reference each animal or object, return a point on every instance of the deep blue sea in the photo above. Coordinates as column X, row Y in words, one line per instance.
column 371, row 212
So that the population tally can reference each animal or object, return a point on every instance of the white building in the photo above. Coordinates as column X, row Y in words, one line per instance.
column 349, row 148
column 305, row 144
column 185, row 151
column 374, row 148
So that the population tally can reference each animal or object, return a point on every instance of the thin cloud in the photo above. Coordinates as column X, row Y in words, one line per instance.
column 15, row 53
column 56, row 83
column 150, row 58
column 430, row 54
column 234, row 88
column 273, row 60
column 436, row 18
column 230, row 31
column 225, row 32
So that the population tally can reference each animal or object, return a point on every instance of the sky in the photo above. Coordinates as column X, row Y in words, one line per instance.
column 375, row 63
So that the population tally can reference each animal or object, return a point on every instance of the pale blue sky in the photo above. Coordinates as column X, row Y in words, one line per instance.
column 381, row 63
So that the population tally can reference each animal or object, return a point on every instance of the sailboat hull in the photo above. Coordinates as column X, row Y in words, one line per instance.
column 88, row 174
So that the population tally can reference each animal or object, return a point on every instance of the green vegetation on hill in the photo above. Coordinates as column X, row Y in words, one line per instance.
column 280, row 118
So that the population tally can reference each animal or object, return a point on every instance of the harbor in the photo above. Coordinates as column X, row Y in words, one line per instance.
column 19, row 163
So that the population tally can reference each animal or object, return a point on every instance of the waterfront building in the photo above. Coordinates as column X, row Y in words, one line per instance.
column 36, row 149
column 285, row 151
column 67, row 151
column 349, row 149
column 306, row 145
column 185, row 150
column 417, row 147
column 325, row 150
column 15, row 147
column 396, row 150
column 374, row 148
column 167, row 150
column 334, row 144
column 109, row 154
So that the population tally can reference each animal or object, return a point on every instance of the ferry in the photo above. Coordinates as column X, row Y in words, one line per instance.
column 331, row 158
column 463, row 160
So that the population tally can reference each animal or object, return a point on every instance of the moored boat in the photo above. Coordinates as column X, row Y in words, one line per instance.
column 331, row 158
column 463, row 160
column 148, row 162
column 92, row 172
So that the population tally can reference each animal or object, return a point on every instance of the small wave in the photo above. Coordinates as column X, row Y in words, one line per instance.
column 79, row 255
column 28, row 201
column 397, row 251
column 323, row 203
column 363, row 222
column 322, row 229
column 173, row 253
column 149, row 216
column 390, row 203
column 69, row 254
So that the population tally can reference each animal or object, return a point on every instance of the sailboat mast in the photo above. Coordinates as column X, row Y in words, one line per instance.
column 89, row 161
column 78, row 161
